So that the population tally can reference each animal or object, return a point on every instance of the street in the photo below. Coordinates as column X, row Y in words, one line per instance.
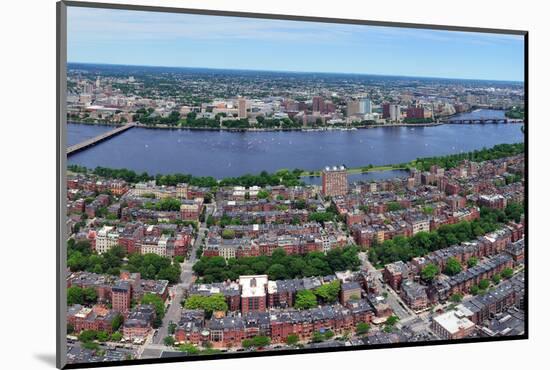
column 173, row 313
column 395, row 302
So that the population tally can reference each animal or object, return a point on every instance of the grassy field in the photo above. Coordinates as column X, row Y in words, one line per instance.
column 357, row 170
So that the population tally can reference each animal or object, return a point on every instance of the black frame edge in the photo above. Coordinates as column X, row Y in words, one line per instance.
column 61, row 173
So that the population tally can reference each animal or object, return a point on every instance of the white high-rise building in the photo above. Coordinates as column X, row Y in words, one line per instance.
column 365, row 106
column 395, row 112
column 105, row 239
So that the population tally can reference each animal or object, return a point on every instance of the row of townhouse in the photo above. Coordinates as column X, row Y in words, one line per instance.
column 443, row 288
column 98, row 318
column 240, row 193
column 256, row 230
column 138, row 238
column 118, row 291
column 265, row 245
column 180, row 191
column 253, row 293
column 497, row 312
column 365, row 234
column 190, row 210
column 230, row 331
column 267, row 217
column 506, row 240
column 508, row 294
column 116, row 187
column 484, row 246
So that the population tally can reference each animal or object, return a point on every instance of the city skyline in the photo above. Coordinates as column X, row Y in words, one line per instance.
column 195, row 41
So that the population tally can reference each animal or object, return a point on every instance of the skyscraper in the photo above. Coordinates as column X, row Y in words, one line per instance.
column 334, row 181
column 386, row 110
column 352, row 107
column 365, row 106
column 242, row 108
column 395, row 112
column 318, row 104
column 415, row 112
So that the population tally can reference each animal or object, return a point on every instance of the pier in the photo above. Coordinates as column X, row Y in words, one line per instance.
column 97, row 139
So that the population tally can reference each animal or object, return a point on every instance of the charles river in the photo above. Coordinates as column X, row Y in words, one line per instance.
column 227, row 154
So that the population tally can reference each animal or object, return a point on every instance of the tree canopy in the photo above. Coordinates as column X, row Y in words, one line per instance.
column 279, row 265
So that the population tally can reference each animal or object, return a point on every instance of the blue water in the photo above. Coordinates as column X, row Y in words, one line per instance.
column 225, row 154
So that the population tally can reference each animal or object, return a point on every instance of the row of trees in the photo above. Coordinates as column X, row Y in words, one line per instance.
column 149, row 117
column 83, row 296
column 158, row 304
column 165, row 204
column 281, row 177
column 151, row 266
column 515, row 113
column 453, row 160
column 279, row 265
column 88, row 338
column 326, row 293
column 405, row 248
column 215, row 302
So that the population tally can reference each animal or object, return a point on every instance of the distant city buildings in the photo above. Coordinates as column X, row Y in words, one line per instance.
column 242, row 108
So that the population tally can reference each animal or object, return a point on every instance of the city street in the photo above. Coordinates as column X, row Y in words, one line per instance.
column 173, row 311
column 395, row 302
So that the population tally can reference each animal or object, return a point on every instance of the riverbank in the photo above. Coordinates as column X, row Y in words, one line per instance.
column 262, row 129
column 360, row 170
column 296, row 177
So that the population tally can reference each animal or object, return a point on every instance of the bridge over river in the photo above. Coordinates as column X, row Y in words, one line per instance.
column 99, row 138
column 481, row 120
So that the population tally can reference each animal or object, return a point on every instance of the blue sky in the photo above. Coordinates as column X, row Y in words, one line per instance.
column 184, row 40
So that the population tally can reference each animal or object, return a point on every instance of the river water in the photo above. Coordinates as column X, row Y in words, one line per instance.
column 226, row 154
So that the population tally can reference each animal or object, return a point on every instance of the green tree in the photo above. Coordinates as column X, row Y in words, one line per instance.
column 392, row 320
column 328, row 334
column 394, row 206
column 102, row 336
column 474, row 290
column 292, row 339
column 277, row 271
column 189, row 348
column 484, row 284
column 117, row 322
column 318, row 337
column 261, row 341
column 328, row 292
column 305, row 299
column 429, row 272
column 456, row 297
column 472, row 261
column 158, row 304
column 247, row 343
column 496, row 278
column 116, row 336
column 362, row 328
column 263, row 194
column 169, row 341
column 172, row 328
column 507, row 273
column 215, row 302
column 87, row 336
column 75, row 296
column 453, row 266
column 228, row 234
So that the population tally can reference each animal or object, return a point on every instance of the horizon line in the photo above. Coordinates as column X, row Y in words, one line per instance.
column 291, row 71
